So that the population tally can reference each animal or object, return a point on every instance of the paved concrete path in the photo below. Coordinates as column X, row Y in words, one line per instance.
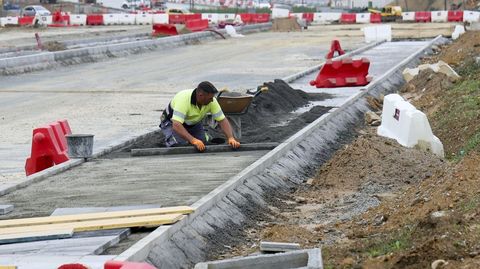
column 165, row 180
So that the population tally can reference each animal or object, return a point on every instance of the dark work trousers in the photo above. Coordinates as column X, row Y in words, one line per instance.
column 173, row 139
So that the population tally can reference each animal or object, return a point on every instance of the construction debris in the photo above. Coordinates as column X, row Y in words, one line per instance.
column 371, row 118
column 286, row 25
column 439, row 67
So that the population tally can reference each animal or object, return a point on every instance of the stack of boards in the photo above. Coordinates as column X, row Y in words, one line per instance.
column 42, row 228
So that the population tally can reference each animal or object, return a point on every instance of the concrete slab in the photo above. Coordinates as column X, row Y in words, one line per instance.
column 165, row 180
column 278, row 246
column 44, row 262
column 209, row 149
column 307, row 258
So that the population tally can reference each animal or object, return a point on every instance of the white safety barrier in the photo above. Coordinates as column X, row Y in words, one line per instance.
column 408, row 16
column 143, row 18
column 43, row 20
column 110, row 19
column 160, row 18
column 363, row 17
column 439, row 16
column 126, row 19
column 226, row 17
column 459, row 30
column 471, row 16
column 377, row 33
column 211, row 17
column 297, row 15
column 327, row 17
column 78, row 19
column 8, row 21
column 408, row 125
column 280, row 13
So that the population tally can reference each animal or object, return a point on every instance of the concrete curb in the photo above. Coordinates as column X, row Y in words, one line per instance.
column 306, row 258
column 45, row 60
column 224, row 210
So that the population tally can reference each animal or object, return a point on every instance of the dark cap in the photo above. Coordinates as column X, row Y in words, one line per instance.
column 207, row 87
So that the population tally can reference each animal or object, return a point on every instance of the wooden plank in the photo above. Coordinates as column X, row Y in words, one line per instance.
column 209, row 149
column 94, row 216
column 94, row 225
column 35, row 236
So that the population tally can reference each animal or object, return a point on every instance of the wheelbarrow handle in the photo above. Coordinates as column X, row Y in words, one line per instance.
column 260, row 89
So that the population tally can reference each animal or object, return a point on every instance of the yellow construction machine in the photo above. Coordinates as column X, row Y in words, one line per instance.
column 389, row 13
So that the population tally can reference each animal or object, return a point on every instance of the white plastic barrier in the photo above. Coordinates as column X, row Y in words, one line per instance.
column 459, row 30
column 439, row 16
column 408, row 16
column 363, row 17
column 160, row 18
column 280, row 13
column 110, row 19
column 326, row 17
column 143, row 18
column 126, row 19
column 211, row 17
column 8, row 21
column 471, row 16
column 44, row 20
column 409, row 126
column 377, row 33
column 226, row 17
column 78, row 19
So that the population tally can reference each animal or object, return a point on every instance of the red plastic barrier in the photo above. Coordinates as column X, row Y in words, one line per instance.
column 423, row 16
column 176, row 18
column 196, row 25
column 25, row 20
column 246, row 17
column 348, row 18
column 164, row 29
column 59, row 18
column 308, row 17
column 343, row 73
column 95, row 19
column 335, row 47
column 260, row 18
column 127, row 265
column 189, row 17
column 49, row 147
column 455, row 15
column 375, row 18
column 73, row 266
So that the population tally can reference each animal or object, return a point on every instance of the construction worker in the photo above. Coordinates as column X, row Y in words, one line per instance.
column 181, row 121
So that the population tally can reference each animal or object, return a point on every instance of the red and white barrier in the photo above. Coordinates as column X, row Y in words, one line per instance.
column 471, row 16
column 439, row 16
column 211, row 17
column 160, row 18
column 110, row 19
column 226, row 17
column 78, row 19
column 126, row 19
column 408, row 16
column 143, row 19
column 8, row 21
column 327, row 17
column 363, row 17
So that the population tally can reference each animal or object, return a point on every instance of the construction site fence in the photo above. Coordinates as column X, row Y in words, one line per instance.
column 155, row 17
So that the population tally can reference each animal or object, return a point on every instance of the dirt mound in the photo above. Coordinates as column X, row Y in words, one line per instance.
column 269, row 117
column 467, row 46
column 286, row 25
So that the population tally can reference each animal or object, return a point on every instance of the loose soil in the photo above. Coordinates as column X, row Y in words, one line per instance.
column 376, row 204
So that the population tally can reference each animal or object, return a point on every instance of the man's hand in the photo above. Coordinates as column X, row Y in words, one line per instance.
column 233, row 143
column 198, row 144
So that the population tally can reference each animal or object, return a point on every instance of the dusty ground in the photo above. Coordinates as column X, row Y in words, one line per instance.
column 376, row 204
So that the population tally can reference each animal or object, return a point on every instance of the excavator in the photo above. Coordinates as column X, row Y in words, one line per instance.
column 389, row 13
